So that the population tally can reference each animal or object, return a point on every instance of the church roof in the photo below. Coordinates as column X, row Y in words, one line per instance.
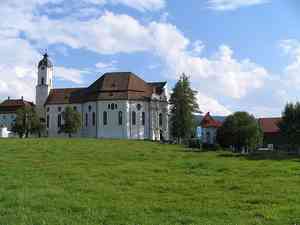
column 110, row 86
column 209, row 121
column 12, row 105
column 45, row 61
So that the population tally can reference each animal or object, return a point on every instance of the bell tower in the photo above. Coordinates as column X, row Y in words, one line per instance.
column 44, row 84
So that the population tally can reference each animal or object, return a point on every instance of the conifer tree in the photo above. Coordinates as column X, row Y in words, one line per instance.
column 183, row 105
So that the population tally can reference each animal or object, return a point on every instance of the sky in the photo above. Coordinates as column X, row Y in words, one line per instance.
column 240, row 55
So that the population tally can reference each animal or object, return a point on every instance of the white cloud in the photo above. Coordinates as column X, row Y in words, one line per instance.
column 107, row 66
column 142, row 5
column 219, row 75
column 70, row 74
column 105, row 34
column 291, row 47
column 208, row 104
column 223, row 5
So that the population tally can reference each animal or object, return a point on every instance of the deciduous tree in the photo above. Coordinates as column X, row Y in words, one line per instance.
column 240, row 130
column 72, row 121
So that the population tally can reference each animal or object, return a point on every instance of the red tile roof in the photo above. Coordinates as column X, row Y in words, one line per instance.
column 208, row 121
column 269, row 125
column 110, row 86
column 12, row 105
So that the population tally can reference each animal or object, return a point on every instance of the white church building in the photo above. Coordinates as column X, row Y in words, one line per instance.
column 117, row 105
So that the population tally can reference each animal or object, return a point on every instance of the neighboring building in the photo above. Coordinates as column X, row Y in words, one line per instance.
column 271, row 133
column 8, row 109
column 209, row 126
column 117, row 105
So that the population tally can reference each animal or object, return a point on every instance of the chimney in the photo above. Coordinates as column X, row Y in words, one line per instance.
column 8, row 98
column 22, row 98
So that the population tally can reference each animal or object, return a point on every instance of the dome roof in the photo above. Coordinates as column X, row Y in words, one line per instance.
column 45, row 61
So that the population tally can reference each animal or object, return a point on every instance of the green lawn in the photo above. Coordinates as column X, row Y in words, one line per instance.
column 85, row 181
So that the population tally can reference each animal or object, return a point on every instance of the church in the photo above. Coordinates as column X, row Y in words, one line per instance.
column 118, row 105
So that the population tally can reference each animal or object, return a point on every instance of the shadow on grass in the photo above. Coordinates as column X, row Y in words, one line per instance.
column 278, row 156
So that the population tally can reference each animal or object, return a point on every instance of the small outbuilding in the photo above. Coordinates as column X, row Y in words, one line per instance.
column 272, row 138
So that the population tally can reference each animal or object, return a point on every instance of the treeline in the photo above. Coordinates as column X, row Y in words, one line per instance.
column 240, row 131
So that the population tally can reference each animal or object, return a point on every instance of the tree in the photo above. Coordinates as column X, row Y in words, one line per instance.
column 290, row 125
column 27, row 122
column 240, row 130
column 72, row 121
column 183, row 105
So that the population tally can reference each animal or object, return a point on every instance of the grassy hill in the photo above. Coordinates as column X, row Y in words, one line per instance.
column 89, row 181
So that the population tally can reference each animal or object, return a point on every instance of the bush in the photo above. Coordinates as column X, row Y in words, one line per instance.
column 194, row 143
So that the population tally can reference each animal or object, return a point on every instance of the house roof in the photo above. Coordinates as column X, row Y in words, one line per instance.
column 110, row 86
column 12, row 105
column 269, row 125
column 209, row 121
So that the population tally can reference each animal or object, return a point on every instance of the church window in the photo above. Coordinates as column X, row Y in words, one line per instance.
column 104, row 118
column 108, row 106
column 59, row 109
column 43, row 68
column 133, row 118
column 94, row 118
column 59, row 121
column 112, row 106
column 143, row 118
column 120, row 118
column 86, row 120
column 48, row 121
column 43, row 80
column 90, row 108
column 160, row 119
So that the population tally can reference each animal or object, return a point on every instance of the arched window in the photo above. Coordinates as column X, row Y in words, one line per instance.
column 112, row 106
column 133, row 118
column 48, row 121
column 120, row 118
column 104, row 118
column 94, row 118
column 160, row 119
column 143, row 118
column 43, row 80
column 90, row 108
column 86, row 120
column 59, row 121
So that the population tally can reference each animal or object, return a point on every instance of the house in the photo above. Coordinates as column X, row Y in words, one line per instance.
column 209, row 126
column 271, row 133
column 8, row 110
column 117, row 105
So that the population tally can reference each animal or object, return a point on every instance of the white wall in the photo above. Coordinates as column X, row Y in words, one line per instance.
column 4, row 132
column 113, row 129
column 150, row 130
column 7, row 120
column 53, row 113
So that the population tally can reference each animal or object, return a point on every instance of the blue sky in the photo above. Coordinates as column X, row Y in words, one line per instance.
column 239, row 54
